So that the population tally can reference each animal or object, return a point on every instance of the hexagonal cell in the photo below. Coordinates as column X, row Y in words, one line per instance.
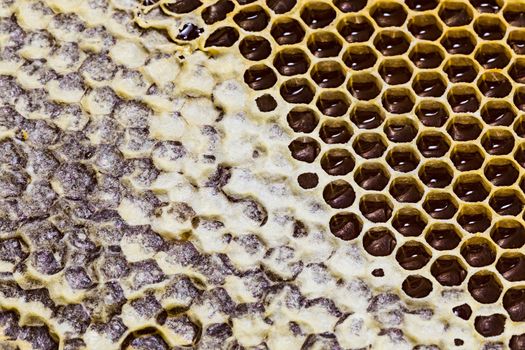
column 508, row 234
column 455, row 14
column 316, row 14
column 304, row 149
column 337, row 161
column 440, row 205
column 460, row 70
column 436, row 174
column 409, row 222
column 463, row 99
column 375, row 207
column 291, row 61
column 491, row 55
column 425, row 27
column 448, row 271
column 350, row 5
column 255, row 48
column 489, row 28
column 335, row 131
column 324, row 44
column 217, row 11
column 371, row 176
column 369, row 145
column 519, row 98
column 484, row 287
column 517, row 341
column 433, row 144
column 308, row 180
column 416, row 286
column 395, row 71
column 519, row 155
column 514, row 303
column 333, row 103
column 467, row 157
column 426, row 56
column 458, row 41
column 514, row 14
column 501, row 172
column 266, row 103
column 412, row 255
column 491, row 325
column 302, row 119
column 517, row 71
column 432, row 113
column 379, row 241
column 403, row 159
column 400, row 129
column 367, row 116
column 464, row 128
column 252, row 18
column 474, row 218
column 281, row 6
column 478, row 252
column 443, row 236
column 487, row 6
column 498, row 113
column 260, row 77
column 494, row 84
column 429, row 84
column 388, row 14
column 497, row 141
column 364, row 86
column 398, row 100
column 506, row 202
column 359, row 57
column 287, row 31
column 391, row 42
column 222, row 37
column 471, row 188
column 339, row 194
column 328, row 74
column 512, row 266
column 516, row 41
column 346, row 226
column 297, row 90
column 406, row 190
column 355, row 28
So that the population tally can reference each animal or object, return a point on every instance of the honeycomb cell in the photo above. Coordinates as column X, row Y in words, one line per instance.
column 506, row 202
column 497, row 142
column 398, row 100
column 498, row 113
column 324, row 44
column 371, row 176
column 302, row 119
column 474, row 218
column 346, row 226
column 391, row 42
column 471, row 188
column 492, row 56
column 463, row 311
column 425, row 27
column 412, row 255
column 491, row 325
column 252, row 18
column 433, row 144
column 435, row 174
column 519, row 127
column 440, row 205
column 519, row 155
column 255, row 48
column 489, row 28
column 409, row 222
column 339, row 194
column 266, row 103
column 217, row 12
column 222, row 37
column 517, row 342
column 281, row 6
column 519, row 98
column 369, row 145
column 400, row 130
column 304, row 149
column 367, row 116
column 426, row 56
column 443, row 237
column 287, row 31
column 516, row 41
column 484, row 287
column 448, row 271
column 512, row 266
column 517, row 71
column 402, row 159
column 417, row 286
column 388, row 14
column 375, row 207
column 297, row 90
column 308, row 180
column 464, row 128
column 317, row 14
column 514, row 303
column 455, row 14
column 359, row 57
column 460, row 70
column 432, row 113
column 328, row 74
column 478, row 252
column 260, row 77
column 364, row 86
column 337, row 161
column 428, row 85
column 508, row 234
column 335, row 131
column 463, row 99
column 333, row 103
column 292, row 61
column 379, row 241
column 487, row 6
column 406, row 190
column 494, row 85
column 355, row 28
column 458, row 41
column 501, row 172
column 467, row 157
column 514, row 14
column 183, row 6
column 395, row 71
column 350, row 5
